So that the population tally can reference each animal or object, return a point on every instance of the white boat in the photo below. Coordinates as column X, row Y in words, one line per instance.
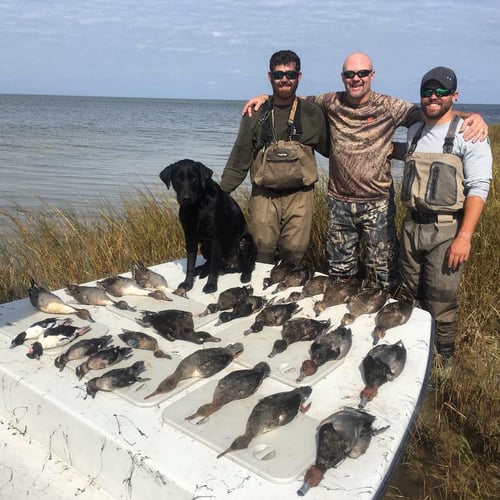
column 59, row 442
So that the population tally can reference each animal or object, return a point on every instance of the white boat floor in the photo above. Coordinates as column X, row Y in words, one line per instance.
column 132, row 448
column 29, row 470
column 275, row 455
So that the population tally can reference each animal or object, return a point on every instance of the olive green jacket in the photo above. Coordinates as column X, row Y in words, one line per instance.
column 249, row 141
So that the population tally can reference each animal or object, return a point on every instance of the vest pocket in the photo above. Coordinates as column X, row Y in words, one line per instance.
column 408, row 178
column 442, row 185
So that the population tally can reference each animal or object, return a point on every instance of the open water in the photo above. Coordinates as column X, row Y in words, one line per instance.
column 74, row 152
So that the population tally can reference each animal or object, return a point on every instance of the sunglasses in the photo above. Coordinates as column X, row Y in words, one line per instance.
column 290, row 75
column 440, row 92
column 362, row 73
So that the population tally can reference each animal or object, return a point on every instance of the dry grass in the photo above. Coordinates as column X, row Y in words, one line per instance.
column 454, row 450
column 58, row 247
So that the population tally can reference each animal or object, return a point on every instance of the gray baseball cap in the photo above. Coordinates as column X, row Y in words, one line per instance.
column 445, row 76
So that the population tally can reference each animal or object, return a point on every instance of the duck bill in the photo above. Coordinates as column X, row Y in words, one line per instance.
column 305, row 408
column 303, row 489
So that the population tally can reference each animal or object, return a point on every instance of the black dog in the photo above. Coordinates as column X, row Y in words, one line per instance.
column 211, row 218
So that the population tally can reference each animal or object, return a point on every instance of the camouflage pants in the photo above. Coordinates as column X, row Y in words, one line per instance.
column 425, row 273
column 280, row 223
column 374, row 224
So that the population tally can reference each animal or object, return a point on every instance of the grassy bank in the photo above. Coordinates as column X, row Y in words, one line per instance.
column 454, row 450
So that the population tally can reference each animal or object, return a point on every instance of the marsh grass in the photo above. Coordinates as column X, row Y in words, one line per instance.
column 454, row 450
column 56, row 247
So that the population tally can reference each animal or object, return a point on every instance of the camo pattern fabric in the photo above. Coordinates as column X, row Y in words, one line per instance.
column 361, row 143
column 374, row 224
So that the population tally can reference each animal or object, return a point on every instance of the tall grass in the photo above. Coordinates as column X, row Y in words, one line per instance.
column 58, row 247
column 454, row 450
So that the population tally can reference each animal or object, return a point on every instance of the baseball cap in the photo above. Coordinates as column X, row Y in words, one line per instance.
column 445, row 76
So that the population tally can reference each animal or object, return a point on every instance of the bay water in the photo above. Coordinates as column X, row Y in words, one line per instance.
column 74, row 152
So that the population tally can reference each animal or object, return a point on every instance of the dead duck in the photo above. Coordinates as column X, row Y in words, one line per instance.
column 175, row 324
column 118, row 286
column 94, row 296
column 228, row 299
column 117, row 379
column 273, row 315
column 382, row 364
column 337, row 293
column 346, row 433
column 298, row 275
column 200, row 364
column 391, row 315
column 81, row 349
column 102, row 359
column 366, row 301
column 277, row 273
column 147, row 278
column 48, row 302
column 239, row 384
column 296, row 330
column 249, row 306
column 55, row 337
column 270, row 413
column 314, row 286
column 334, row 345
column 141, row 340
column 38, row 328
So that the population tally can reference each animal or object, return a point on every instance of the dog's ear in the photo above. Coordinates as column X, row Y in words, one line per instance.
column 205, row 173
column 166, row 175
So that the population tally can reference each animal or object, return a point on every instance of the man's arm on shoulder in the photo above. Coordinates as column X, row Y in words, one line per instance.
column 474, row 127
column 254, row 104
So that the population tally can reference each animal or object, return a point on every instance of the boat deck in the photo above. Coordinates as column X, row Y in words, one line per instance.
column 58, row 442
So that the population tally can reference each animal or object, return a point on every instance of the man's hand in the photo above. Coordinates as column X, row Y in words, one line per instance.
column 474, row 128
column 254, row 104
column 459, row 251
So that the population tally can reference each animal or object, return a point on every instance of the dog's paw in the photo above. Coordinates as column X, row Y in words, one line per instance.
column 210, row 288
column 246, row 277
column 183, row 288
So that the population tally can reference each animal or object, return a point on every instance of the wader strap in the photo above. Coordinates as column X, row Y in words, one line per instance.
column 450, row 136
column 268, row 134
column 415, row 140
column 294, row 129
column 448, row 140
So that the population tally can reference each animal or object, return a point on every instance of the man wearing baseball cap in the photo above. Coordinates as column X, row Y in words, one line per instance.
column 445, row 185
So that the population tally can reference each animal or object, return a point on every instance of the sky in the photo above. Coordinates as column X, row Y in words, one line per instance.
column 220, row 49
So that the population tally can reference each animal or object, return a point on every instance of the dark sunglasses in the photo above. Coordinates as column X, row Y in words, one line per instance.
column 362, row 73
column 440, row 92
column 290, row 75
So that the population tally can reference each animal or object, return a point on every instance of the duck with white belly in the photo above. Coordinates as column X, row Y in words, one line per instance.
column 55, row 337
column 50, row 303
column 118, row 286
column 38, row 328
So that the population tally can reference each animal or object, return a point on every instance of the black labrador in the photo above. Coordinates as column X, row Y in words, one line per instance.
column 212, row 219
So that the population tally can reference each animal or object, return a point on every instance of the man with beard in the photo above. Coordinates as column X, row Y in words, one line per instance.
column 277, row 145
column 360, row 189
column 445, row 184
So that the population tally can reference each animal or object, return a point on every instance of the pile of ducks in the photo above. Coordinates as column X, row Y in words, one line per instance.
column 346, row 433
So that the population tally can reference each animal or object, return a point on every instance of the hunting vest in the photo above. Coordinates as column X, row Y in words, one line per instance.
column 283, row 165
column 434, row 182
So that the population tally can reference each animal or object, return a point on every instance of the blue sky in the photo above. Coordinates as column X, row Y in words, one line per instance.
column 219, row 49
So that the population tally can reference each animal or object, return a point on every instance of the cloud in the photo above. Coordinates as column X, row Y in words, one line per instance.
column 121, row 40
